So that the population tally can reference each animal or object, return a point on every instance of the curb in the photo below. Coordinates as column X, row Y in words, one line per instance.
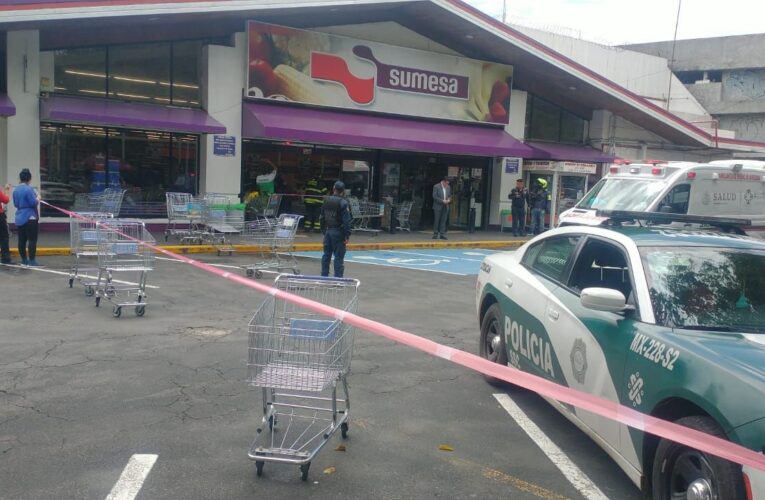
column 317, row 247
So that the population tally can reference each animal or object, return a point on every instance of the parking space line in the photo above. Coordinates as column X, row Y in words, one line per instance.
column 62, row 273
column 574, row 474
column 420, row 254
column 131, row 480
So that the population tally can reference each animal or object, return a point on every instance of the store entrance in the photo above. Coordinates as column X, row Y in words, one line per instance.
column 466, row 194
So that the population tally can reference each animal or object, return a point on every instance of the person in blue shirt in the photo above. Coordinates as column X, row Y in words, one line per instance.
column 26, row 201
column 335, row 222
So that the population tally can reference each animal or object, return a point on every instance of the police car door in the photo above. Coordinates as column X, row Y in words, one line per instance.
column 591, row 346
column 543, row 267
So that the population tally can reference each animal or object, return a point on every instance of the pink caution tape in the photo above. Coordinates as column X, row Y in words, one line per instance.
column 599, row 406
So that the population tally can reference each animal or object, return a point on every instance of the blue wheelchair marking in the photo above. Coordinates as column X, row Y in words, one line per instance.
column 462, row 262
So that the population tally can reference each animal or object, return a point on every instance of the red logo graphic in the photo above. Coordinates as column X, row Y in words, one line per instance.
column 333, row 68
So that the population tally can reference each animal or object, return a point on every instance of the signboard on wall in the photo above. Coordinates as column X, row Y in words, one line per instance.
column 578, row 167
column 328, row 70
column 512, row 165
column 539, row 165
column 224, row 145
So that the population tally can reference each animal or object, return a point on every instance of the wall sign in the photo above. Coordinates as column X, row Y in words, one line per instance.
column 224, row 145
column 579, row 168
column 512, row 165
column 330, row 70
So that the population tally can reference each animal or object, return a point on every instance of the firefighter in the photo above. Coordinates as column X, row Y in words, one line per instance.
column 314, row 199
column 539, row 201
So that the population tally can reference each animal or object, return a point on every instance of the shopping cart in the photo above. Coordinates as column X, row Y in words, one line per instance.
column 107, row 201
column 83, row 244
column 124, row 248
column 362, row 213
column 184, row 217
column 274, row 241
column 402, row 214
column 298, row 357
column 222, row 218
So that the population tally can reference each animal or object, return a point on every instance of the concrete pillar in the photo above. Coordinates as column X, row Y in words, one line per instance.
column 20, row 134
column 223, row 74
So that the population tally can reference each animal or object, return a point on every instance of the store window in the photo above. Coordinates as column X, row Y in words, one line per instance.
column 82, row 159
column 157, row 73
column 3, row 64
column 547, row 122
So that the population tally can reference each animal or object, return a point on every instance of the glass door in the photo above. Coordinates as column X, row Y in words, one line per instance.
column 571, row 188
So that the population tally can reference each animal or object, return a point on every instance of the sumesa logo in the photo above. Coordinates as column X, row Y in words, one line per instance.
column 332, row 68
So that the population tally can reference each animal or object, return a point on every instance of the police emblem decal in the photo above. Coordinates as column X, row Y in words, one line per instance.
column 579, row 360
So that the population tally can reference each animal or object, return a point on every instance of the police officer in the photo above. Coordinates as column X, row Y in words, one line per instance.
column 314, row 199
column 519, row 197
column 336, row 225
column 539, row 199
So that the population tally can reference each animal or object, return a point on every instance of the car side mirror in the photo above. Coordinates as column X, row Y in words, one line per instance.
column 604, row 299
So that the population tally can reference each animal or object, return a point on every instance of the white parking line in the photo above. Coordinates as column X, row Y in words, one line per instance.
column 62, row 273
column 132, row 478
column 569, row 469
column 420, row 254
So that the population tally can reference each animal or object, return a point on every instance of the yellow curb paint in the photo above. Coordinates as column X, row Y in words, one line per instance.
column 317, row 247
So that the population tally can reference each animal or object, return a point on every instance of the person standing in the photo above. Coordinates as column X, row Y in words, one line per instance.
column 539, row 200
column 336, row 225
column 519, row 197
column 442, row 197
column 314, row 199
column 5, row 248
column 26, row 201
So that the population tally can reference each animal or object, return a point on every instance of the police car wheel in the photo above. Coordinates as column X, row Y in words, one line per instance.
column 682, row 472
column 493, row 340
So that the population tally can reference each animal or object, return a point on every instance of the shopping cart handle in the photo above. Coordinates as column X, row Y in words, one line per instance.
column 326, row 279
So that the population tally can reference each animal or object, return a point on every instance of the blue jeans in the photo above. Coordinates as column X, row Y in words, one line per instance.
column 334, row 244
column 519, row 222
column 537, row 220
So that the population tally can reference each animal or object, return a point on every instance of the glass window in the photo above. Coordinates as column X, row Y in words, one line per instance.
column 706, row 288
column 554, row 255
column 571, row 128
column 602, row 265
column 676, row 201
column 80, row 72
column 140, row 72
column 3, row 64
column 621, row 194
column 186, row 59
column 545, row 120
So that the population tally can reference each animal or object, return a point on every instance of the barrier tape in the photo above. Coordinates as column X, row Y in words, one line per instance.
column 614, row 411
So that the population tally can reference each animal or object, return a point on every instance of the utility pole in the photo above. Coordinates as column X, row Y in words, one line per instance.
column 672, row 59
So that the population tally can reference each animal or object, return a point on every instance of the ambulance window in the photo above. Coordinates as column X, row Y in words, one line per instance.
column 552, row 256
column 676, row 201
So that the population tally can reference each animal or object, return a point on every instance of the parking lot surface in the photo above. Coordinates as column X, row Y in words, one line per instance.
column 81, row 392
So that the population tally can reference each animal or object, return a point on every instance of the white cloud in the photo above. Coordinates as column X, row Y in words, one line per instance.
column 630, row 21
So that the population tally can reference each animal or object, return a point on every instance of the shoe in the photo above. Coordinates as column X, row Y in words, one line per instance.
column 443, row 237
column 435, row 236
column 24, row 262
column 34, row 263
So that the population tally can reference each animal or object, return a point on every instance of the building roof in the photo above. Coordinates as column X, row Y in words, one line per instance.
column 451, row 23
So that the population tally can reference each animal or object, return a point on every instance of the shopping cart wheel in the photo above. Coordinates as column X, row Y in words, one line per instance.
column 140, row 311
column 304, row 471
column 259, row 467
column 89, row 291
column 249, row 272
column 71, row 282
column 296, row 271
column 117, row 311
column 344, row 429
column 258, row 274
column 98, row 301
column 271, row 422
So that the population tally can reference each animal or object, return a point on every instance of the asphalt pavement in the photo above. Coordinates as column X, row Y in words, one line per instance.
column 81, row 392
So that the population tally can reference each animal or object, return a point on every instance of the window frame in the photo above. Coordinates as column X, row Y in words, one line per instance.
column 530, row 264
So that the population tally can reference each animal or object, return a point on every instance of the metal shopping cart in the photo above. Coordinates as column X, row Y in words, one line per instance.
column 298, row 357
column 274, row 241
column 222, row 218
column 184, row 217
column 403, row 211
column 124, row 248
column 107, row 201
column 362, row 213
column 83, row 244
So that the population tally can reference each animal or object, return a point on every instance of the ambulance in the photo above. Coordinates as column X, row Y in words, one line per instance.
column 726, row 188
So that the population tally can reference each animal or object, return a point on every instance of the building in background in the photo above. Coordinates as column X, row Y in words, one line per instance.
column 388, row 95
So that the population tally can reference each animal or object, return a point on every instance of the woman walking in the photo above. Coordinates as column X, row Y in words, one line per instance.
column 26, row 201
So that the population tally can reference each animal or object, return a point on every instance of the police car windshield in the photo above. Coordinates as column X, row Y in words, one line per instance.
column 707, row 288
column 612, row 193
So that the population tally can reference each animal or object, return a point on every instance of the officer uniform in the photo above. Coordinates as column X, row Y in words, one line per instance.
column 519, row 197
column 539, row 200
column 336, row 225
column 313, row 200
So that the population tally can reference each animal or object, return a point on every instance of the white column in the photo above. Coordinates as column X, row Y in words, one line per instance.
column 502, row 183
column 20, row 142
column 223, row 76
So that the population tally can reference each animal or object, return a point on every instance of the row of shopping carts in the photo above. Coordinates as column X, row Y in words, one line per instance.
column 212, row 219
column 103, row 248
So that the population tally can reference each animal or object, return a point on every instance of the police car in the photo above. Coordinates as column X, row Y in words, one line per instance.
column 668, row 321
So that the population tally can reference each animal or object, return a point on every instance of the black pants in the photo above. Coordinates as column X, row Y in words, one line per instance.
column 28, row 237
column 5, row 249
column 312, row 211
column 334, row 245
column 519, row 221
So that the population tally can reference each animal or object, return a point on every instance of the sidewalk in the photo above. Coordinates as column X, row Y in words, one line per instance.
column 57, row 242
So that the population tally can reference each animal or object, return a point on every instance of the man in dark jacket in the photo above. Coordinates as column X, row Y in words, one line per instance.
column 314, row 199
column 539, row 201
column 519, row 196
column 336, row 225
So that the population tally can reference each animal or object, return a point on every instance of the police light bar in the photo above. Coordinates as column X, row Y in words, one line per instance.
column 665, row 218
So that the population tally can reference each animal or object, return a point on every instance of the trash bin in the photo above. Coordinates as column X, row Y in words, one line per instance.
column 506, row 219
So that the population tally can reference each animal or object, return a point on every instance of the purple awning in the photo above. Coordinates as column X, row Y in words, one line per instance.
column 567, row 152
column 128, row 114
column 291, row 123
column 6, row 106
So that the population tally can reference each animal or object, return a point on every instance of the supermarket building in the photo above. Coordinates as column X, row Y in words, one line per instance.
column 388, row 95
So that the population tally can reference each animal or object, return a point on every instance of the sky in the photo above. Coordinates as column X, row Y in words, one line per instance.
column 617, row 22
